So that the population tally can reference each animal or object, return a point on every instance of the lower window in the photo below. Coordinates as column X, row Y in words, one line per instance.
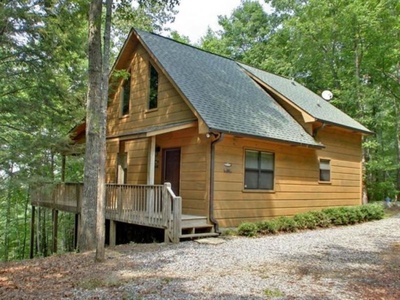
column 259, row 170
column 324, row 170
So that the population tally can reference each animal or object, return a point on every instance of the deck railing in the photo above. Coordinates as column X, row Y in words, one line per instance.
column 149, row 205
column 138, row 204
column 60, row 196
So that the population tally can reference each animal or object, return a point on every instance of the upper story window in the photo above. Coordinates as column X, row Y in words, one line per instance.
column 153, row 93
column 125, row 96
column 324, row 170
column 259, row 170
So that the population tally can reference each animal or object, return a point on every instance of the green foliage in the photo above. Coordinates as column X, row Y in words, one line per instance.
column 373, row 211
column 306, row 221
column 321, row 219
column 286, row 224
column 247, row 229
column 273, row 293
column 180, row 38
column 268, row 227
column 336, row 216
column 43, row 62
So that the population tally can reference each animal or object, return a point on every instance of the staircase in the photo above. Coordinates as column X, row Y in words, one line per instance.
column 196, row 227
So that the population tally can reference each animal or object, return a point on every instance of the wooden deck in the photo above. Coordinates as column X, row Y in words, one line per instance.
column 148, row 205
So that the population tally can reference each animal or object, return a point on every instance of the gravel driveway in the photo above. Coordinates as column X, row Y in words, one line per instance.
column 335, row 263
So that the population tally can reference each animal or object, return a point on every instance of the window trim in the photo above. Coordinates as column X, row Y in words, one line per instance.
column 258, row 189
column 329, row 164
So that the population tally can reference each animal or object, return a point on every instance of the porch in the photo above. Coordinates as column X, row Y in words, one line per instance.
column 147, row 205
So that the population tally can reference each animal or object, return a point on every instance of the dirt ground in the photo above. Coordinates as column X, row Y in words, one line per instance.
column 57, row 276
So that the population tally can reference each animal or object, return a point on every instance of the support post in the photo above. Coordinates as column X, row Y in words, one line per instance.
column 177, row 213
column 54, row 214
column 63, row 161
column 32, row 239
column 77, row 225
column 151, row 163
column 113, row 233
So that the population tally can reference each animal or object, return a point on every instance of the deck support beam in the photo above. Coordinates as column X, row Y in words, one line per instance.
column 54, row 215
column 76, row 229
column 32, row 239
column 113, row 233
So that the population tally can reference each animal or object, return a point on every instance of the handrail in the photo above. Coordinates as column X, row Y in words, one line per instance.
column 173, row 213
column 149, row 205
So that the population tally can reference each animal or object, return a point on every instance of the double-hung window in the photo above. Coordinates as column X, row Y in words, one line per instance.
column 324, row 170
column 259, row 170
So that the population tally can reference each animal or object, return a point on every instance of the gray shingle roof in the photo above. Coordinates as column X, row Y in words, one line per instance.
column 226, row 98
column 306, row 99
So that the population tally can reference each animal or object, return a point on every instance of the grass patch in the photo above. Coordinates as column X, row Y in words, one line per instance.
column 273, row 293
column 392, row 211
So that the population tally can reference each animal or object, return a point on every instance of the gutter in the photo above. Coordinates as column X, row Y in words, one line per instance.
column 219, row 138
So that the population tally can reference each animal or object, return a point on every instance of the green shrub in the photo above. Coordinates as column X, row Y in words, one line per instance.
column 322, row 220
column 247, row 229
column 330, row 216
column 286, row 224
column 305, row 221
column 352, row 215
column 338, row 216
column 267, row 227
column 373, row 211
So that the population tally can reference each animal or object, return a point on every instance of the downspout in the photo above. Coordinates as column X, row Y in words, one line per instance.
column 219, row 138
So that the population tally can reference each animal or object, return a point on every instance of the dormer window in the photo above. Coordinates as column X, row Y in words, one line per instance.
column 125, row 96
column 153, row 91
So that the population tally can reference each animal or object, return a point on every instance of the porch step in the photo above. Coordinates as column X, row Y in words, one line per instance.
column 198, row 235
column 193, row 221
column 203, row 229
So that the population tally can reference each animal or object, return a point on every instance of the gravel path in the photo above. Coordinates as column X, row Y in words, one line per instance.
column 320, row 264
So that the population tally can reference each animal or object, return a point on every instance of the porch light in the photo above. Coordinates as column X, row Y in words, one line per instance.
column 227, row 167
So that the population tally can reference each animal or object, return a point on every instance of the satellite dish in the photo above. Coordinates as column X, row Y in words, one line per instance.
column 327, row 95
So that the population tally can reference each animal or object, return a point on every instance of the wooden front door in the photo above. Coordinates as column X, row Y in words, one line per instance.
column 172, row 168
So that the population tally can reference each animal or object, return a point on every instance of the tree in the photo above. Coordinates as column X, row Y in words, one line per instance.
column 43, row 62
column 41, row 94
column 94, row 175
column 244, row 34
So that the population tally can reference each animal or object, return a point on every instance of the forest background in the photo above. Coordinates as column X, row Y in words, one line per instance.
column 350, row 47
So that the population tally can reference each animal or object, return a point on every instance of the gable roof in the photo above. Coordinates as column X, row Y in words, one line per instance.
column 306, row 100
column 224, row 96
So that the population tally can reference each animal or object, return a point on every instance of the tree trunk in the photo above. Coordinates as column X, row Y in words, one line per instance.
column 8, row 214
column 100, row 227
column 87, row 240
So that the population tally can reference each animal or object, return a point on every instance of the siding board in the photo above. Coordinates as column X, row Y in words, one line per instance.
column 297, row 187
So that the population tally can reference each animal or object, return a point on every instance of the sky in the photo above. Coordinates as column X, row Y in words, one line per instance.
column 195, row 16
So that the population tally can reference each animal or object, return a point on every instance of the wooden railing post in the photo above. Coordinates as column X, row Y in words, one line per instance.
column 119, row 200
column 177, row 213
column 166, row 204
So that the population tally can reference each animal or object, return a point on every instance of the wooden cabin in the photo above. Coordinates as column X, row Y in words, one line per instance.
column 236, row 143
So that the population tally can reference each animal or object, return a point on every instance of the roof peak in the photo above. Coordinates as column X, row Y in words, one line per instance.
column 182, row 43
